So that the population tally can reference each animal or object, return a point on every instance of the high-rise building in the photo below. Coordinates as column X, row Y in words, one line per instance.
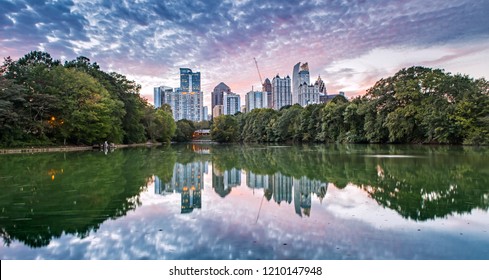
column 205, row 113
column 231, row 103
column 189, row 81
column 185, row 105
column 267, row 88
column 308, row 94
column 281, row 92
column 217, row 111
column 256, row 100
column 300, row 76
column 186, row 101
column 218, row 93
column 321, row 85
column 159, row 95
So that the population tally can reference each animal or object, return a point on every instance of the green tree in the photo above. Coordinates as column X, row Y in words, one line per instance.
column 224, row 129
column 159, row 123
column 184, row 131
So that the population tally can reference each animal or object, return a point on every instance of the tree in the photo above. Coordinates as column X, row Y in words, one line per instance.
column 224, row 129
column 184, row 131
column 160, row 125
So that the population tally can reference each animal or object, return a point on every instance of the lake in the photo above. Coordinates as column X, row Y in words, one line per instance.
column 247, row 202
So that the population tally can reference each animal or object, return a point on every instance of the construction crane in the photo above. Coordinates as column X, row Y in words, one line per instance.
column 259, row 74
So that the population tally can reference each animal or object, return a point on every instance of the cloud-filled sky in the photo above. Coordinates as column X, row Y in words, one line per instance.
column 351, row 44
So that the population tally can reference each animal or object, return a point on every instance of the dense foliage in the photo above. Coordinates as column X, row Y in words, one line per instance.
column 43, row 102
column 416, row 105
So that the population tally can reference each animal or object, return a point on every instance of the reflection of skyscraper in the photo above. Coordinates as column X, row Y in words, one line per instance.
column 282, row 188
column 232, row 178
column 303, row 190
column 223, row 181
column 257, row 181
column 158, row 189
column 187, row 180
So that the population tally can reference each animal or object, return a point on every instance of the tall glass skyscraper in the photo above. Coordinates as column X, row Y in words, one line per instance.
column 300, row 75
column 189, row 81
column 186, row 101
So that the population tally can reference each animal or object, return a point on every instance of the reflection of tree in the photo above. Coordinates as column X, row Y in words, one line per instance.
column 419, row 182
column 91, row 189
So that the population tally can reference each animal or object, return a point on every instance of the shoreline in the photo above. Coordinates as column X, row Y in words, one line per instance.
column 67, row 148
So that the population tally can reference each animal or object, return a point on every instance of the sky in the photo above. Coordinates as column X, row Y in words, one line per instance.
column 350, row 44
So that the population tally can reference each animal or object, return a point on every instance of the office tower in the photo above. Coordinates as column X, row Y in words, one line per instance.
column 189, row 81
column 256, row 100
column 159, row 95
column 300, row 76
column 308, row 94
column 218, row 93
column 205, row 113
column 231, row 103
column 217, row 111
column 321, row 85
column 281, row 92
column 186, row 101
column 267, row 88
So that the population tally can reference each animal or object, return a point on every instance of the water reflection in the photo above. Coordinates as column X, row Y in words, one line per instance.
column 187, row 180
column 250, row 199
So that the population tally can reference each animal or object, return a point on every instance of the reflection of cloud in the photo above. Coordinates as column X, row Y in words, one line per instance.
column 227, row 229
column 150, row 41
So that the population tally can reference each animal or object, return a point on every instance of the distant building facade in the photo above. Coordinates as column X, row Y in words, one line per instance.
column 205, row 113
column 281, row 91
column 256, row 100
column 231, row 103
column 300, row 76
column 325, row 98
column 308, row 94
column 218, row 95
column 321, row 85
column 267, row 88
column 159, row 95
column 217, row 111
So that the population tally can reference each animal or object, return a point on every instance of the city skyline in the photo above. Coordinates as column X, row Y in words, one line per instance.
column 350, row 44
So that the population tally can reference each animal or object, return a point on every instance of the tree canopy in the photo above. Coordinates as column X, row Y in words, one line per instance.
column 43, row 102
column 416, row 105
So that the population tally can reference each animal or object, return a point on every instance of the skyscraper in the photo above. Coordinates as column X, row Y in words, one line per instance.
column 189, row 81
column 267, row 88
column 218, row 93
column 255, row 100
column 321, row 85
column 308, row 94
column 159, row 95
column 186, row 101
column 231, row 103
column 281, row 92
column 300, row 76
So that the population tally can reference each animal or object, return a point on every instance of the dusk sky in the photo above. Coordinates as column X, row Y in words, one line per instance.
column 351, row 44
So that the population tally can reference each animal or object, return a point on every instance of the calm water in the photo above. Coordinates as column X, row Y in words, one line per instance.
column 247, row 202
